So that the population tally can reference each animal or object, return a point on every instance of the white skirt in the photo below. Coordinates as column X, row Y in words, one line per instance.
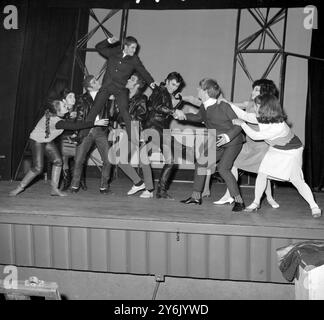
column 282, row 164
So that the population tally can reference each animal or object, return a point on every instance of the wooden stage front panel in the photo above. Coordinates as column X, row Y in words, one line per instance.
column 115, row 233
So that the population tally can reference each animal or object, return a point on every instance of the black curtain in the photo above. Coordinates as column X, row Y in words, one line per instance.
column 314, row 126
column 46, row 66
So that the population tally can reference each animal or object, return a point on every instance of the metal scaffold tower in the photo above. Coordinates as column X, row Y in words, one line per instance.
column 81, row 44
column 269, row 38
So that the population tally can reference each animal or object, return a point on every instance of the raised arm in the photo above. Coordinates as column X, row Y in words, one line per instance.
column 107, row 47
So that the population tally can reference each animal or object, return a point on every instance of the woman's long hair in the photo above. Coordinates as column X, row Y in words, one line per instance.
column 270, row 110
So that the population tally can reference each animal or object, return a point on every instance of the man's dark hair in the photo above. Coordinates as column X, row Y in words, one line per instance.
column 64, row 93
column 177, row 77
column 140, row 81
column 130, row 40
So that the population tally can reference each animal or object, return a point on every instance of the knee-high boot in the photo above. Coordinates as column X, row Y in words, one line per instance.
column 83, row 184
column 66, row 179
column 30, row 175
column 56, row 172
column 164, row 180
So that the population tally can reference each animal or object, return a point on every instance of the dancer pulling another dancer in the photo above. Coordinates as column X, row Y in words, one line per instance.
column 161, row 111
column 252, row 153
column 216, row 115
column 283, row 160
column 50, row 126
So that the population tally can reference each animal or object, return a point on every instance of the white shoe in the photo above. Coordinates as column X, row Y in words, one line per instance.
column 135, row 189
column 224, row 201
column 316, row 212
column 273, row 203
column 252, row 207
column 146, row 194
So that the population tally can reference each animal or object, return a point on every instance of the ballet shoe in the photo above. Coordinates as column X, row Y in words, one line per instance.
column 222, row 201
column 273, row 203
column 253, row 207
column 316, row 212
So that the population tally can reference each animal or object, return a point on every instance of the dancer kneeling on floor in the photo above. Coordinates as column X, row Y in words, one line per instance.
column 283, row 160
column 50, row 126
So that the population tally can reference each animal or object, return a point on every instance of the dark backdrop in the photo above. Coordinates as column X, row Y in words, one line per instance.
column 314, row 126
column 36, row 61
column 11, row 49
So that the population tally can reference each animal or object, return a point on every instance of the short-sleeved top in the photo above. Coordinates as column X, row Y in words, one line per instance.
column 38, row 134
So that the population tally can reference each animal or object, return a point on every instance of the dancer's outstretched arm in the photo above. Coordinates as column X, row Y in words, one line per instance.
column 246, row 116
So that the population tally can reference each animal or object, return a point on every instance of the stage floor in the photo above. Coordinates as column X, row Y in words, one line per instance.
column 126, row 234
column 293, row 212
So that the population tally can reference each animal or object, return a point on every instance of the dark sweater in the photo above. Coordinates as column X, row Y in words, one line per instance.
column 219, row 116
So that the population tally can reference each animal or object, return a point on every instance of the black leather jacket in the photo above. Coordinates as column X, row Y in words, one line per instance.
column 137, row 110
column 85, row 103
column 83, row 106
column 160, row 109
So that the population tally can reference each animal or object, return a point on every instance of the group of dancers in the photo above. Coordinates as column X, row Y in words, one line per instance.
column 268, row 148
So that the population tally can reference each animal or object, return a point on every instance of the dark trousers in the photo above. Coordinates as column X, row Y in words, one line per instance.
column 121, row 96
column 225, row 157
column 167, row 145
column 38, row 151
column 101, row 141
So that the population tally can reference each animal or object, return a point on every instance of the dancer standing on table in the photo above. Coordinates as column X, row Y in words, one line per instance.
column 161, row 110
column 283, row 160
column 216, row 115
column 252, row 153
column 121, row 64
column 50, row 126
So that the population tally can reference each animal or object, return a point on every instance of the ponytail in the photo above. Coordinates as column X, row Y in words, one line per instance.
column 52, row 109
column 47, row 123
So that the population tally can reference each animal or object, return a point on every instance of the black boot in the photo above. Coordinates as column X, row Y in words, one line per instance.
column 30, row 175
column 83, row 184
column 162, row 187
column 66, row 180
